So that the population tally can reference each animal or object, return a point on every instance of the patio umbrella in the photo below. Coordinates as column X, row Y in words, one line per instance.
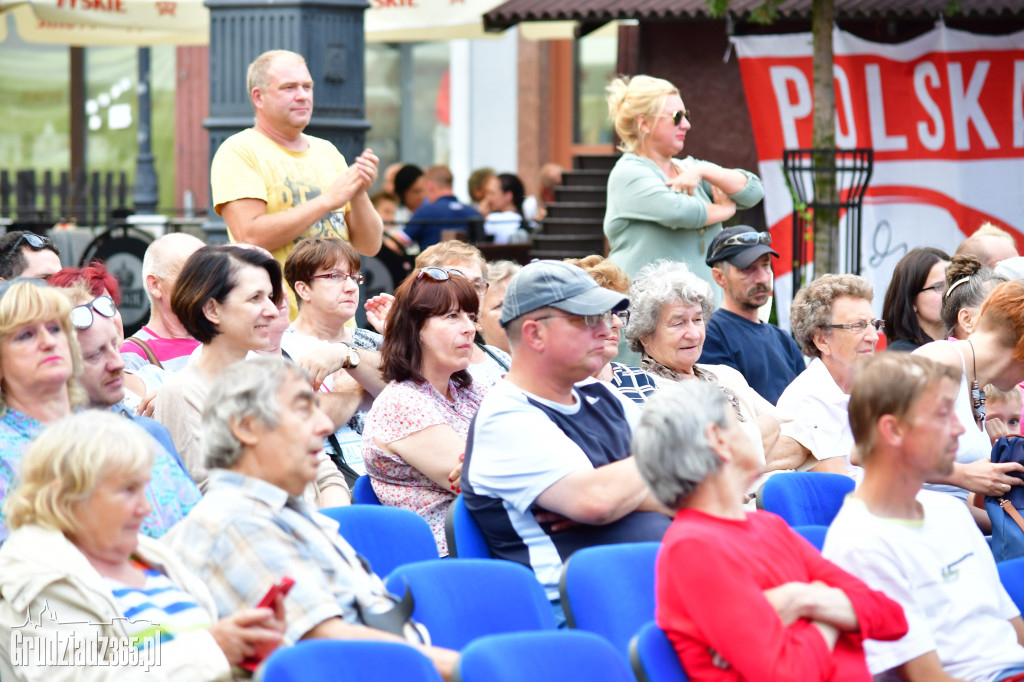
column 187, row 22
column 110, row 22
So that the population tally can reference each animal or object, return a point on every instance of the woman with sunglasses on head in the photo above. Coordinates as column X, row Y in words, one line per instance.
column 488, row 363
column 913, row 302
column 226, row 297
column 660, row 206
column 415, row 434
column 324, row 274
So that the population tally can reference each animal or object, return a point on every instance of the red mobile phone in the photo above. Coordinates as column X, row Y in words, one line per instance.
column 282, row 588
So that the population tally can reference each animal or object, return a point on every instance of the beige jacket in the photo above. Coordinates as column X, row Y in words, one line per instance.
column 41, row 570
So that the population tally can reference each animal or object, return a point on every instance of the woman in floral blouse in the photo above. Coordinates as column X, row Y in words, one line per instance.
column 415, row 434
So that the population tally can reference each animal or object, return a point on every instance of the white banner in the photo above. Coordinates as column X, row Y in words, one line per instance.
column 944, row 114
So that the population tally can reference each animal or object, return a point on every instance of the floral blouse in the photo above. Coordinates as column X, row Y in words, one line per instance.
column 402, row 409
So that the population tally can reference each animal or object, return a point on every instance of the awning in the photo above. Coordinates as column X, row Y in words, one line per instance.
column 111, row 22
column 186, row 22
column 513, row 12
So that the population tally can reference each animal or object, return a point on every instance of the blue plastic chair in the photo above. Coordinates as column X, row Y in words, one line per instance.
column 362, row 491
column 805, row 498
column 813, row 534
column 653, row 658
column 542, row 657
column 327, row 660
column 1011, row 575
column 462, row 599
column 609, row 590
column 465, row 539
column 385, row 536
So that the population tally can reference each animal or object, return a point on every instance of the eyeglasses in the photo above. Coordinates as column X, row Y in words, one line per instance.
column 677, row 116
column 860, row 325
column 358, row 277
column 36, row 241
column 592, row 321
column 937, row 288
column 82, row 315
column 742, row 239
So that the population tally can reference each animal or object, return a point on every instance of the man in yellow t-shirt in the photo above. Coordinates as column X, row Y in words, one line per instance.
column 274, row 185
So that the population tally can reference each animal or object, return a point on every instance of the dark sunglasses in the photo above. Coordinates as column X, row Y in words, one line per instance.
column 36, row 241
column 678, row 116
column 743, row 239
column 440, row 274
column 82, row 316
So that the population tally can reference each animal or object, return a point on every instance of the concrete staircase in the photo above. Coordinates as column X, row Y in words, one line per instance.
column 573, row 226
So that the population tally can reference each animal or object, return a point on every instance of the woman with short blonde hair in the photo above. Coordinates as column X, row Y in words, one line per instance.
column 76, row 566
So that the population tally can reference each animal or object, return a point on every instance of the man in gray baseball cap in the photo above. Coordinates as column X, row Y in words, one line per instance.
column 552, row 283
column 549, row 438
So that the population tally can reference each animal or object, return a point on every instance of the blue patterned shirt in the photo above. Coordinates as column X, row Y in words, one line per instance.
column 170, row 491
column 633, row 382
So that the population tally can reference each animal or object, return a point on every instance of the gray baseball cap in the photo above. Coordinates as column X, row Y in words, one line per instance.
column 559, row 285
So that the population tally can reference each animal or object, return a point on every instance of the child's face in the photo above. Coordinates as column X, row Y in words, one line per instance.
column 386, row 209
column 1007, row 410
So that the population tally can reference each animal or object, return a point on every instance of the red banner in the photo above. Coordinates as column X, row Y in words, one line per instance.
column 944, row 114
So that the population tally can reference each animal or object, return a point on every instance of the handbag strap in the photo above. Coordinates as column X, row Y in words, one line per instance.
column 1013, row 513
column 150, row 355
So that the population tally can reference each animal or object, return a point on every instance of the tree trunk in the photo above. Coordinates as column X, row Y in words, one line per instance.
column 826, row 217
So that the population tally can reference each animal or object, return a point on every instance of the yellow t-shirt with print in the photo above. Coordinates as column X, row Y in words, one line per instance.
column 249, row 165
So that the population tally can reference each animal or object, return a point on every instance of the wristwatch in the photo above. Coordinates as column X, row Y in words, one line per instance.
column 352, row 361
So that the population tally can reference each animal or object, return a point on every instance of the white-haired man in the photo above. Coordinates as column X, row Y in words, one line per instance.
column 263, row 430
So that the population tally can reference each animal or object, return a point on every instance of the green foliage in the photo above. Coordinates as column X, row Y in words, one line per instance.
column 763, row 14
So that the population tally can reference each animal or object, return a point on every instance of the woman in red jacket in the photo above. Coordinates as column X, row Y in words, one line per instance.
column 740, row 595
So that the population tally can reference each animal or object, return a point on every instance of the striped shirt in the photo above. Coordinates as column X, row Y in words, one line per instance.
column 158, row 606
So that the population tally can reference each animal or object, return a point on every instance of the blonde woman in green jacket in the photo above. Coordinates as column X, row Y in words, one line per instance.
column 660, row 206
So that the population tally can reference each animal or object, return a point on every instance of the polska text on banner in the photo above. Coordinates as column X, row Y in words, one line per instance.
column 944, row 114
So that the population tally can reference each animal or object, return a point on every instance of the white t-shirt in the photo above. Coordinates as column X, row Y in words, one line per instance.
column 820, row 413
column 942, row 572
column 502, row 225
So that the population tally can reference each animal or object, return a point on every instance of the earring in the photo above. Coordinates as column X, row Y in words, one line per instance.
column 915, row 308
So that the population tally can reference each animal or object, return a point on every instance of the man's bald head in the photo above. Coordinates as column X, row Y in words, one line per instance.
column 165, row 256
column 989, row 244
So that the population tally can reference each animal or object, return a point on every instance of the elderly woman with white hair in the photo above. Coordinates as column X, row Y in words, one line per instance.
column 668, row 310
column 75, row 563
column 803, row 618
column 660, row 206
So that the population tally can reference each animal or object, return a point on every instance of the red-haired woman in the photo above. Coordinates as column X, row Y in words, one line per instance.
column 415, row 433
column 992, row 354
column 99, row 280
